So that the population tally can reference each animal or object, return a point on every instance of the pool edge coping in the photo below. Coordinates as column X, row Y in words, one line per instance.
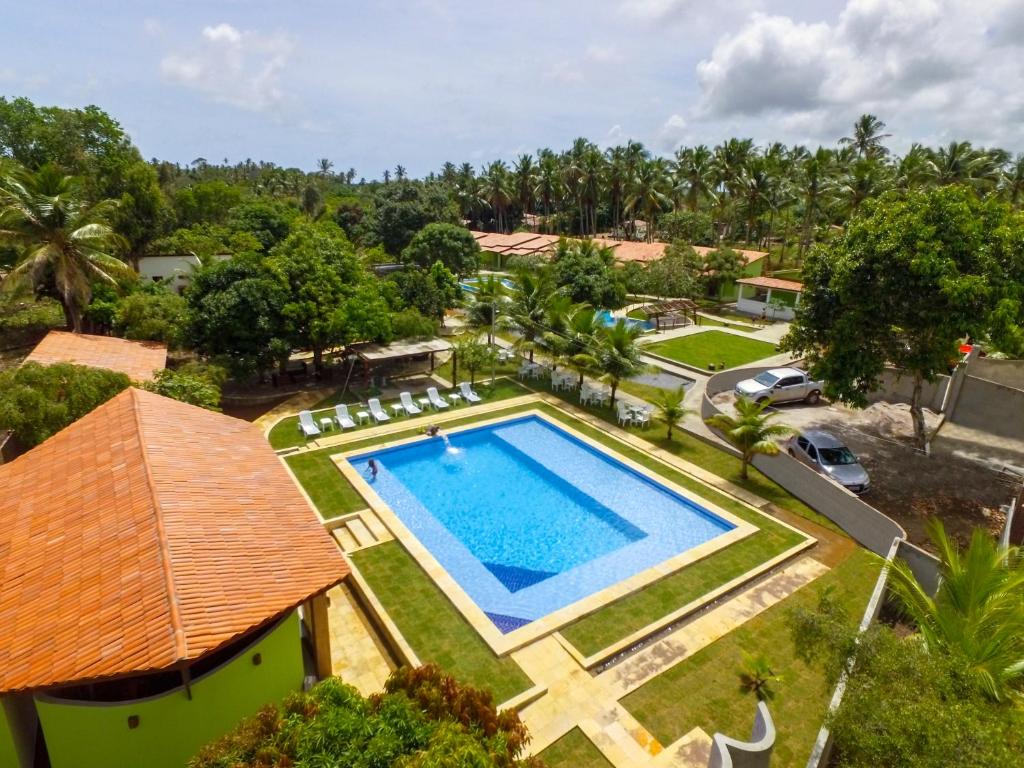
column 502, row 644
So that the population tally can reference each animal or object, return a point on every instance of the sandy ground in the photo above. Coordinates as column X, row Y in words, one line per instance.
column 905, row 484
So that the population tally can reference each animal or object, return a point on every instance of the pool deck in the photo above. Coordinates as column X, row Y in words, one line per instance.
column 566, row 693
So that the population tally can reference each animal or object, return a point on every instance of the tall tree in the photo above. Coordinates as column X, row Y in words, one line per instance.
column 750, row 430
column 867, row 137
column 63, row 242
column 617, row 354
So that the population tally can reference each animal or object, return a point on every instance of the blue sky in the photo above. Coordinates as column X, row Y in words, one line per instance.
column 372, row 84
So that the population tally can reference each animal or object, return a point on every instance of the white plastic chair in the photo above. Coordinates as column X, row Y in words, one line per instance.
column 410, row 407
column 642, row 417
column 623, row 414
column 435, row 399
column 341, row 416
column 378, row 413
column 468, row 394
column 306, row 424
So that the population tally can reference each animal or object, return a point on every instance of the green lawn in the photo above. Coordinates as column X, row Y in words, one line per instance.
column 286, row 434
column 574, row 750
column 331, row 493
column 712, row 348
column 432, row 625
column 703, row 690
column 707, row 321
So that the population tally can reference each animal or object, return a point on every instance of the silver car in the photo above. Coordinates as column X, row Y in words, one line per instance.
column 824, row 452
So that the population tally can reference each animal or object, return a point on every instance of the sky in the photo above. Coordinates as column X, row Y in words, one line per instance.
column 372, row 84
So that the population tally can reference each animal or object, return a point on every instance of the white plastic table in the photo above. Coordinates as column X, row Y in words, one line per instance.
column 327, row 424
column 398, row 409
column 455, row 397
column 425, row 403
column 362, row 416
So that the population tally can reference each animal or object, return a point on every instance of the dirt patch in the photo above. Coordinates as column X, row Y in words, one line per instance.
column 907, row 485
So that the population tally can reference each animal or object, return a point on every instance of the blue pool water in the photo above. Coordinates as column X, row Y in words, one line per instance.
column 529, row 519
column 606, row 317
column 471, row 284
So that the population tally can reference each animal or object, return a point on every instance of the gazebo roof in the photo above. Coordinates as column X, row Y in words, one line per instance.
column 670, row 307
column 138, row 359
column 146, row 535
column 377, row 352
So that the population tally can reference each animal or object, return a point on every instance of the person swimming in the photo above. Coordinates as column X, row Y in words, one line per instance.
column 374, row 469
column 432, row 431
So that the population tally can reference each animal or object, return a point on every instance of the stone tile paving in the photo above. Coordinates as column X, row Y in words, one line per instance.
column 356, row 656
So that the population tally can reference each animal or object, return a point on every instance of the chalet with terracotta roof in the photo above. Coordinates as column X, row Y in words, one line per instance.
column 138, row 359
column 772, row 297
column 161, row 578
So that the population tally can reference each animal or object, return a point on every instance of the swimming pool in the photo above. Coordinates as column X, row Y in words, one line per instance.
column 528, row 518
column 606, row 317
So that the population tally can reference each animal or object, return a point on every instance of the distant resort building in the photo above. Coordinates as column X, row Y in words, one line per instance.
column 176, row 268
column 774, row 297
column 161, row 578
column 532, row 244
column 139, row 360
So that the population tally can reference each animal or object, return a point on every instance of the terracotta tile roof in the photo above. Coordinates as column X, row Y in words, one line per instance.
column 517, row 243
column 772, row 282
column 147, row 533
column 138, row 359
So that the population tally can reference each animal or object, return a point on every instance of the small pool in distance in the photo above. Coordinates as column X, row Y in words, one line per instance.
column 528, row 519
column 607, row 318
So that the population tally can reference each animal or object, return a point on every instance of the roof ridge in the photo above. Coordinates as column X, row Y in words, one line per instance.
column 177, row 625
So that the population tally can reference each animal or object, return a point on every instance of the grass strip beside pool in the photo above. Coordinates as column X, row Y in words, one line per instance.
column 574, row 750
column 711, row 348
column 703, row 690
column 432, row 625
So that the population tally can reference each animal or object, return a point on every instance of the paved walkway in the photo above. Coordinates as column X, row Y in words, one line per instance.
column 356, row 655
column 298, row 402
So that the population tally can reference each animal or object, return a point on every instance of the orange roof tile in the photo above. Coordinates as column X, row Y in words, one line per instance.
column 772, row 282
column 147, row 533
column 138, row 359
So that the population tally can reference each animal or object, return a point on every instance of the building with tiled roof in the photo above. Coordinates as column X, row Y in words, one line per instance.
column 768, row 297
column 138, row 359
column 157, row 568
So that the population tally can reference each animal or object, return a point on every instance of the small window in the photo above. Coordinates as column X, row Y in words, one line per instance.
column 790, row 381
column 812, row 452
column 802, row 443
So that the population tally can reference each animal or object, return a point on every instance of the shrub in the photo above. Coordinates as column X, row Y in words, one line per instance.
column 187, row 388
column 411, row 324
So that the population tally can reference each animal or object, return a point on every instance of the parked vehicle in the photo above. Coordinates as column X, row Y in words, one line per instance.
column 825, row 453
column 780, row 385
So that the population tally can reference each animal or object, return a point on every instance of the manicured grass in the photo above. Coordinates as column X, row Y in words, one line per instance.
column 711, row 348
column 331, row 493
column 704, row 690
column 286, row 434
column 707, row 321
column 574, row 750
column 637, row 314
column 431, row 624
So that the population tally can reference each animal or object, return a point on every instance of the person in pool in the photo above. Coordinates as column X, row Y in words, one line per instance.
column 372, row 464
column 432, row 431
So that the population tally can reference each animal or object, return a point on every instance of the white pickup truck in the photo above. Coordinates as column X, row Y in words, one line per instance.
column 780, row 385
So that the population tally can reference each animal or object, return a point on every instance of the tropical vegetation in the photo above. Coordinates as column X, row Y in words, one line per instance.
column 749, row 430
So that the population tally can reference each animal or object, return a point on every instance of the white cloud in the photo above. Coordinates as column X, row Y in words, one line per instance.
column 912, row 62
column 152, row 26
column 656, row 10
column 230, row 66
column 674, row 131
column 564, row 72
column 602, row 53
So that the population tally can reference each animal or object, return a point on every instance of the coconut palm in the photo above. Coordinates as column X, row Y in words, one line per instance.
column 749, row 431
column 670, row 408
column 527, row 311
column 576, row 343
column 1012, row 182
column 524, row 175
column 324, row 166
column 496, row 189
column 486, row 309
column 617, row 354
column 757, row 677
column 64, row 243
column 867, row 137
column 977, row 613
column 648, row 195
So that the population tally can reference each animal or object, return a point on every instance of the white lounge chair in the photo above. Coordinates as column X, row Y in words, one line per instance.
column 468, row 394
column 342, row 417
column 435, row 399
column 378, row 413
column 410, row 407
column 306, row 424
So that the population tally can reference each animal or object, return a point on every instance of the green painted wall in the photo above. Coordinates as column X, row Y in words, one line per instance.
column 8, row 752
column 171, row 727
column 727, row 290
column 18, row 725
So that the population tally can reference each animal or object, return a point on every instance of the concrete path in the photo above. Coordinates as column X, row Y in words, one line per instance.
column 356, row 656
column 297, row 402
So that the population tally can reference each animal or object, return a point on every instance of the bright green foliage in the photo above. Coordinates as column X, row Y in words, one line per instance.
column 472, row 355
column 37, row 401
column 757, row 676
column 207, row 202
column 329, row 298
column 450, row 244
column 691, row 227
column 268, row 222
column 670, row 408
column 617, row 354
column 977, row 615
column 401, row 210
column 422, row 719
column 910, row 277
column 187, row 388
column 487, row 306
column 430, row 291
column 234, row 312
column 528, row 310
column 207, row 241
column 906, row 703
column 151, row 316
column 64, row 242
column 677, row 274
column 410, row 324
column 587, row 273
column 749, row 431
column 721, row 266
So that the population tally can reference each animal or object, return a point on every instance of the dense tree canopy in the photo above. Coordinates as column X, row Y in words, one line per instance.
column 450, row 244
column 911, row 276
column 587, row 272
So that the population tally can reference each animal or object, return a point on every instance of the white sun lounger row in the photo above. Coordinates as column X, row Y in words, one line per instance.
column 344, row 420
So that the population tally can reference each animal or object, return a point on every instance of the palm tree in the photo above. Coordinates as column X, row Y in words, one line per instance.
column 867, row 137
column 387, row 176
column 695, row 171
column 527, row 311
column 671, row 409
column 1012, row 182
column 486, row 307
column 324, row 166
column 757, row 676
column 618, row 354
column 647, row 195
column 577, row 342
column 400, row 172
column 64, row 242
column 977, row 613
column 524, row 174
column 749, row 431
column 496, row 190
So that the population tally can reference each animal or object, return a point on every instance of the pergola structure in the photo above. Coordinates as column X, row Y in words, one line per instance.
column 400, row 357
column 673, row 313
